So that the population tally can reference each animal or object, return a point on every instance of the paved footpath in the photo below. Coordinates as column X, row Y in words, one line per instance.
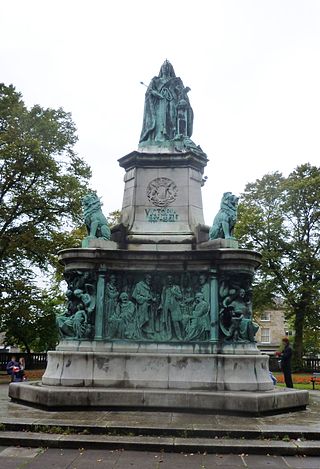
column 39, row 458
column 189, row 440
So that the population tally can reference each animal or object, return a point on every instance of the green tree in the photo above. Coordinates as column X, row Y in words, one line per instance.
column 311, row 341
column 280, row 217
column 114, row 218
column 32, row 324
column 42, row 182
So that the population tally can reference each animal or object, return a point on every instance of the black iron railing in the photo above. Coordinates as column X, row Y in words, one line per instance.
column 309, row 364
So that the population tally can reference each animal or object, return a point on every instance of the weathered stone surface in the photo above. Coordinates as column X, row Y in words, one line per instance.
column 162, row 200
column 158, row 370
column 160, row 347
column 219, row 243
column 227, row 401
column 18, row 452
column 147, row 260
column 253, row 460
column 99, row 243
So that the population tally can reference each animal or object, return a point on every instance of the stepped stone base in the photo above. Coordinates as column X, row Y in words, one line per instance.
column 254, row 403
column 146, row 380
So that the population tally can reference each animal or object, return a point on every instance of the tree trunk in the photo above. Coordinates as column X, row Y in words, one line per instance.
column 27, row 348
column 25, row 345
column 298, row 340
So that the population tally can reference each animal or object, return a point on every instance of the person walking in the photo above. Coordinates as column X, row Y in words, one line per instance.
column 285, row 359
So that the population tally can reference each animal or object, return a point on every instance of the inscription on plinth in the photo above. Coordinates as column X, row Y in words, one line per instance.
column 165, row 215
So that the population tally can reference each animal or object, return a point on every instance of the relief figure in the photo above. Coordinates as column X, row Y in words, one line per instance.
column 122, row 323
column 204, row 287
column 76, row 321
column 170, row 311
column 144, row 298
column 111, row 295
column 236, row 314
column 199, row 322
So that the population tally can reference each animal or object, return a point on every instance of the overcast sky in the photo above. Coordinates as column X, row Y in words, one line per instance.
column 253, row 68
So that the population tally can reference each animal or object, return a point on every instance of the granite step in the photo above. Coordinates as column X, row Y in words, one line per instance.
column 167, row 444
column 53, row 426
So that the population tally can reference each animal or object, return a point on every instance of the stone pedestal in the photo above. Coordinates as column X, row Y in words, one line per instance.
column 162, row 202
column 196, row 371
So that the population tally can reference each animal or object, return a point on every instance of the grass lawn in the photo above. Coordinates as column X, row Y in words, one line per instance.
column 306, row 386
column 300, row 380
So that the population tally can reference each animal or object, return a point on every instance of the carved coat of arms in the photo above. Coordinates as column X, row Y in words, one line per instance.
column 162, row 191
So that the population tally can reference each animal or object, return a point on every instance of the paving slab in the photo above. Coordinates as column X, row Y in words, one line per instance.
column 265, row 462
column 79, row 459
column 223, row 460
column 19, row 452
column 2, row 448
column 125, row 459
column 54, row 459
column 192, row 418
column 145, row 460
column 100, row 458
column 141, row 418
column 174, row 424
column 226, row 467
column 12, row 410
column 17, row 463
column 302, row 462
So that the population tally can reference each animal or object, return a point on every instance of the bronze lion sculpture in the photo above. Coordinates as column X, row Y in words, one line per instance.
column 224, row 221
column 96, row 222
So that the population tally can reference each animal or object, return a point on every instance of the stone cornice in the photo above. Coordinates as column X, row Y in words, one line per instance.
column 137, row 159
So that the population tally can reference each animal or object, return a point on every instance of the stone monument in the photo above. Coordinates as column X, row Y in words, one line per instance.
column 159, row 309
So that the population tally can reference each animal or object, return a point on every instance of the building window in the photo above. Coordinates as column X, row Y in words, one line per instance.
column 265, row 335
column 265, row 316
